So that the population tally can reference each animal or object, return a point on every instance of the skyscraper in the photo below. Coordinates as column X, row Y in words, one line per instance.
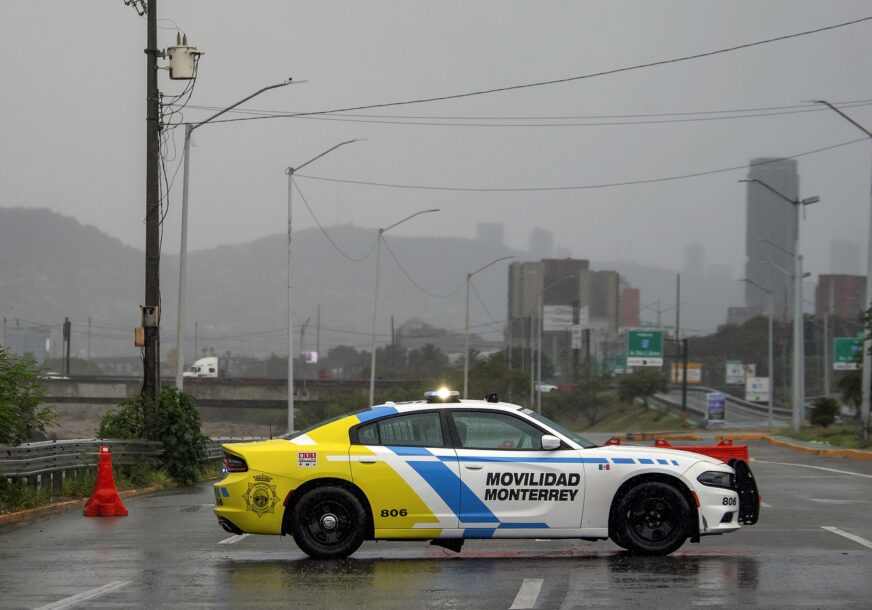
column 770, row 234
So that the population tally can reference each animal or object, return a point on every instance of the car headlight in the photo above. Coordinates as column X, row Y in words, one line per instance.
column 716, row 478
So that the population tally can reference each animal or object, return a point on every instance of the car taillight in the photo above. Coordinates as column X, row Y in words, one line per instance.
column 234, row 464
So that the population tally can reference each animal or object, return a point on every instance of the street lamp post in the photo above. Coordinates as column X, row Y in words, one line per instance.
column 798, row 381
column 375, row 295
column 183, row 252
column 866, row 373
column 771, row 359
column 289, row 171
column 466, row 328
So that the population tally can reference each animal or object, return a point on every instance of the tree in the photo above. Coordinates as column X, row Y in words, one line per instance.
column 824, row 411
column 20, row 398
column 642, row 383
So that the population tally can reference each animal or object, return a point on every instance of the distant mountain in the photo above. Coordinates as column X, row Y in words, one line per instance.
column 52, row 266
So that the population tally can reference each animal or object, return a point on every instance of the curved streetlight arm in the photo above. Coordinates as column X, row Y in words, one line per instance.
column 493, row 262
column 806, row 201
column 399, row 222
column 844, row 116
column 290, row 81
column 290, row 170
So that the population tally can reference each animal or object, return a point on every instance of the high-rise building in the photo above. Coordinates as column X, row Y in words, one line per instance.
column 840, row 295
column 630, row 307
column 541, row 244
column 770, row 235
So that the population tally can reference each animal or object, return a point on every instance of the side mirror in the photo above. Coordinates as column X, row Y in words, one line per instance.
column 550, row 443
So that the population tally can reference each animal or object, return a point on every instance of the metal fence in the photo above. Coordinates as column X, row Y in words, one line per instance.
column 49, row 462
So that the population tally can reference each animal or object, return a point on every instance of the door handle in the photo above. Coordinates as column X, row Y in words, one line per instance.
column 368, row 461
column 473, row 467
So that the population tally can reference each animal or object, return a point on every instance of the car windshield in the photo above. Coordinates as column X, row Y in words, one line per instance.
column 567, row 433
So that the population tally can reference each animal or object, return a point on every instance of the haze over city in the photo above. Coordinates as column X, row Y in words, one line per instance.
column 554, row 156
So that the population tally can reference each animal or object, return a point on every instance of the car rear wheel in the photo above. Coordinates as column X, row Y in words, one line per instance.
column 652, row 518
column 328, row 523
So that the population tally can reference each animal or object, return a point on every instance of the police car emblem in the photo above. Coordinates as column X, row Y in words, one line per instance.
column 260, row 497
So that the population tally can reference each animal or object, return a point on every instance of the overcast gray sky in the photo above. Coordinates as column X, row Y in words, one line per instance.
column 72, row 116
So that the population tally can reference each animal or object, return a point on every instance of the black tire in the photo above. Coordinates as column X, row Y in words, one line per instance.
column 328, row 523
column 652, row 518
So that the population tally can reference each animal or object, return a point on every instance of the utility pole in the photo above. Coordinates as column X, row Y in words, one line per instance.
column 151, row 363
column 66, row 348
column 89, row 341
column 677, row 306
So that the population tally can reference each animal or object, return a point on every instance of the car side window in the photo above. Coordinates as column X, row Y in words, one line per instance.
column 489, row 430
column 411, row 430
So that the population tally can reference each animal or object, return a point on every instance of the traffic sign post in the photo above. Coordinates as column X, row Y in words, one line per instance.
column 846, row 353
column 645, row 348
column 716, row 408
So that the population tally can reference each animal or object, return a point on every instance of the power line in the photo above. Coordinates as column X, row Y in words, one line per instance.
column 557, row 81
column 579, row 187
column 327, row 235
column 412, row 280
column 600, row 121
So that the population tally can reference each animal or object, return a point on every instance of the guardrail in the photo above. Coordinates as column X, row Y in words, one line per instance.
column 51, row 461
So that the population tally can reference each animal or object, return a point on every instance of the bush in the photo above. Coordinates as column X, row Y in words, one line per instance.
column 824, row 411
column 176, row 424
column 20, row 398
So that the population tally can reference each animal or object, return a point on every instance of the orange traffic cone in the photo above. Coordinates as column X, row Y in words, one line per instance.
column 104, row 500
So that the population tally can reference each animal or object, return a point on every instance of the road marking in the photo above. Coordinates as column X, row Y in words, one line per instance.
column 827, row 501
column 765, row 505
column 527, row 594
column 856, row 474
column 845, row 534
column 234, row 539
column 69, row 602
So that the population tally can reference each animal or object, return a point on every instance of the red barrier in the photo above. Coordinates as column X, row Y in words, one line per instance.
column 104, row 500
column 723, row 451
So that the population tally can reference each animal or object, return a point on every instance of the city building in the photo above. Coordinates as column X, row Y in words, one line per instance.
column 630, row 308
column 770, row 235
column 840, row 295
column 694, row 259
column 541, row 244
column 571, row 293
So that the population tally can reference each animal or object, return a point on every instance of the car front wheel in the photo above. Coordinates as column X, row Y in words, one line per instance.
column 652, row 518
column 328, row 523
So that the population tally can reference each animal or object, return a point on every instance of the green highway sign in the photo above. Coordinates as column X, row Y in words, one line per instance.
column 645, row 348
column 846, row 353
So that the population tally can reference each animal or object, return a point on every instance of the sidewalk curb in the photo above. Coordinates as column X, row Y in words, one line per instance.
column 64, row 506
column 855, row 454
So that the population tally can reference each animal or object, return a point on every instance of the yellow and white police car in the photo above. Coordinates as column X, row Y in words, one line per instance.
column 446, row 470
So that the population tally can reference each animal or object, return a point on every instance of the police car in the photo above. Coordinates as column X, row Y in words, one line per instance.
column 447, row 470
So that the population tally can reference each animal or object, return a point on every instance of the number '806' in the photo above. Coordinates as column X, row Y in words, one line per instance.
column 394, row 512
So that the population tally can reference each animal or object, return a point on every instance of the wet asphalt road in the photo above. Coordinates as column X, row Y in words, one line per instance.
column 170, row 553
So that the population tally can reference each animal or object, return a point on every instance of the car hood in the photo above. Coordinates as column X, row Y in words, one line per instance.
column 655, row 453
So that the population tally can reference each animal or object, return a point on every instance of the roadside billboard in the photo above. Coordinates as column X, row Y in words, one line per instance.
column 694, row 372
column 757, row 389
column 716, row 407
column 735, row 374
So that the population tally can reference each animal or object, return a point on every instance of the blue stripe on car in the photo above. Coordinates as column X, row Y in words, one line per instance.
column 478, row 532
column 376, row 413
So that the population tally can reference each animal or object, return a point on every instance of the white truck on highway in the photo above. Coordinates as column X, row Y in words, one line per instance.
column 203, row 368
